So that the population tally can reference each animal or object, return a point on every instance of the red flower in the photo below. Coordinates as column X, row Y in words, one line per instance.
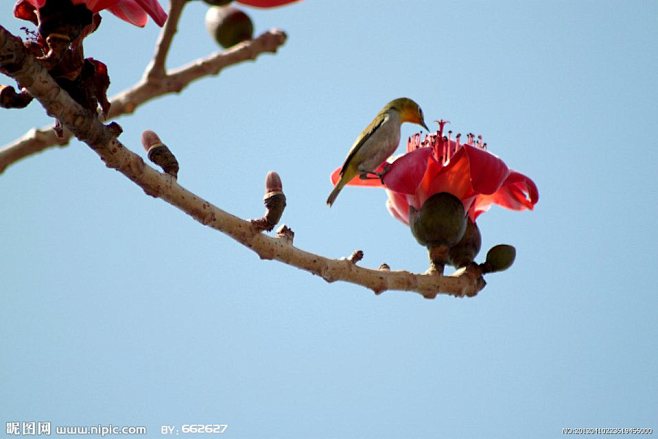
column 132, row 11
column 441, row 164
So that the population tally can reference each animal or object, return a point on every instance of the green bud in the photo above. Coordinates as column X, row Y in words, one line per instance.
column 465, row 251
column 441, row 221
column 499, row 258
column 228, row 25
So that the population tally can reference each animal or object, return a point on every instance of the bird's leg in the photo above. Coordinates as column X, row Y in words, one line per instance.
column 372, row 175
column 385, row 169
column 369, row 175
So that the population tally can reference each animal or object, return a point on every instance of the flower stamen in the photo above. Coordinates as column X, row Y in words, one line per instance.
column 441, row 123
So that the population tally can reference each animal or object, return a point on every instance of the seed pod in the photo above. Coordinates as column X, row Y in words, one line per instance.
column 228, row 25
column 159, row 153
column 439, row 224
column 440, row 221
column 465, row 251
column 218, row 2
column 499, row 258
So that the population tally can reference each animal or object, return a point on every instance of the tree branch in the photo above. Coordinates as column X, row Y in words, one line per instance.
column 32, row 142
column 150, row 87
column 102, row 139
column 157, row 67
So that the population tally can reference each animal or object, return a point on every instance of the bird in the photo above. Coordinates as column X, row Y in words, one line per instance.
column 377, row 142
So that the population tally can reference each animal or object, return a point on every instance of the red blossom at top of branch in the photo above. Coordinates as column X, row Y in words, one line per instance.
column 132, row 11
column 438, row 164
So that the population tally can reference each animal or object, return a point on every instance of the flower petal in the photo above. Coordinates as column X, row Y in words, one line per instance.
column 265, row 3
column 487, row 171
column 453, row 177
column 518, row 192
column 26, row 9
column 130, row 11
column 358, row 181
column 405, row 174
column 155, row 11
column 35, row 3
column 398, row 206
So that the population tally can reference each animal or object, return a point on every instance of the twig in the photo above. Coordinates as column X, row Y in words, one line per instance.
column 148, row 88
column 157, row 67
column 33, row 142
column 102, row 139
column 176, row 80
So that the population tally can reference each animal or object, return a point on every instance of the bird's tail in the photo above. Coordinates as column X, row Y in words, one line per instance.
column 335, row 192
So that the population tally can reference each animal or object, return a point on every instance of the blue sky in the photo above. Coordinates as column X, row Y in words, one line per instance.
column 119, row 309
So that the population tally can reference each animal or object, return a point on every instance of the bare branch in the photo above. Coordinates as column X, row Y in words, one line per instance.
column 33, row 142
column 102, row 139
column 157, row 67
column 148, row 88
column 176, row 80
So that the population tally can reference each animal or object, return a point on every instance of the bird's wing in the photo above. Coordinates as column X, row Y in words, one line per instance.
column 377, row 122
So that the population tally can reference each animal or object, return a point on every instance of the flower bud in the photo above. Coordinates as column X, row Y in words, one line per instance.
column 356, row 256
column 465, row 251
column 159, row 153
column 285, row 233
column 499, row 258
column 275, row 203
column 228, row 25
column 440, row 221
column 272, row 183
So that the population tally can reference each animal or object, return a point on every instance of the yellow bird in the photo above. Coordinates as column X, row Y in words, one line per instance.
column 378, row 141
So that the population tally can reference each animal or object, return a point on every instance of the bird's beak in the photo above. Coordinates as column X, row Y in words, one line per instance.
column 424, row 125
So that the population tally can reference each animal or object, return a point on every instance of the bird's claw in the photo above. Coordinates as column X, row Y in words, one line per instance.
column 372, row 175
